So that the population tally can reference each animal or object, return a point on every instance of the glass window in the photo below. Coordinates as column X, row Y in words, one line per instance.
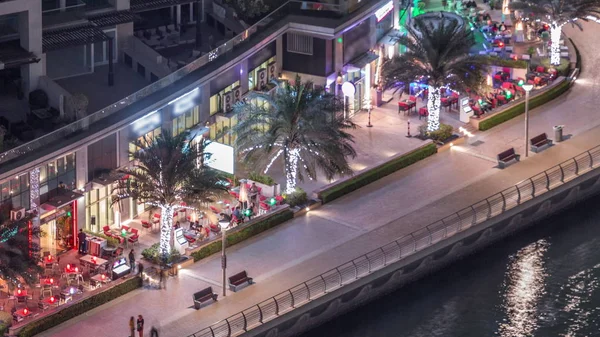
column 43, row 174
column 93, row 196
column 251, row 79
column 70, row 161
column 25, row 200
column 101, row 192
column 24, row 182
column 214, row 104
column 51, row 170
column 16, row 201
column 43, row 189
column 189, row 119
column 15, row 186
column 5, row 189
column 61, row 165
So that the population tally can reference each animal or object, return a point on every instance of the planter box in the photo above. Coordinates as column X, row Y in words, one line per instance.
column 267, row 191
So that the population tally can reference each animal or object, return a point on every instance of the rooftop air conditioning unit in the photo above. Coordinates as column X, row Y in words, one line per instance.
column 17, row 214
column 272, row 71
column 262, row 79
column 237, row 94
column 227, row 101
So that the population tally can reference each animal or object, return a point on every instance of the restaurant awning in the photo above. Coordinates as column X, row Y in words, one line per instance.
column 112, row 18
column 13, row 55
column 62, row 198
column 72, row 36
column 361, row 61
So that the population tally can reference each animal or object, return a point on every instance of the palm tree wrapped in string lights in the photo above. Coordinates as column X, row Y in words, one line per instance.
column 169, row 173
column 558, row 13
column 438, row 56
column 301, row 123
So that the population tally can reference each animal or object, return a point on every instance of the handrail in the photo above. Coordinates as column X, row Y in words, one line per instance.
column 290, row 7
column 409, row 244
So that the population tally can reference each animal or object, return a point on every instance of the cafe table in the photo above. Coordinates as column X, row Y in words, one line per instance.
column 21, row 314
column 122, row 234
column 92, row 261
column 99, row 279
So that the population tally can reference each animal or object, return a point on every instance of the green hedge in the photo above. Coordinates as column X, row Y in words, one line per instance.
column 79, row 308
column 243, row 234
column 501, row 62
column 518, row 109
column 376, row 173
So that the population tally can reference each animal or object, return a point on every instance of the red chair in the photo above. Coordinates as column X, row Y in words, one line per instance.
column 540, row 69
column 423, row 112
column 279, row 198
column 412, row 99
column 446, row 103
column 234, row 194
column 214, row 228
column 264, row 207
column 146, row 224
column 262, row 197
column 494, row 103
column 106, row 231
column 125, row 227
column 476, row 110
column 506, row 70
column 507, row 85
column 403, row 107
column 189, row 238
column 501, row 99
column 156, row 218
column 214, row 209
column 498, row 77
column 134, row 238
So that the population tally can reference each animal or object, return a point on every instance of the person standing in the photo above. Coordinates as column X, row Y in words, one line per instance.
column 140, row 325
column 132, row 260
column 82, row 241
column 132, row 326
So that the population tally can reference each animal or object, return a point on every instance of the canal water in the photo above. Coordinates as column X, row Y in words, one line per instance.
column 544, row 281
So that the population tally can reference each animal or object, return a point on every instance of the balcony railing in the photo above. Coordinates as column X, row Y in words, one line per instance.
column 58, row 16
column 399, row 249
column 297, row 8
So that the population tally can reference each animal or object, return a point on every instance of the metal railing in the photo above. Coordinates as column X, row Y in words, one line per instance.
column 302, row 8
column 403, row 247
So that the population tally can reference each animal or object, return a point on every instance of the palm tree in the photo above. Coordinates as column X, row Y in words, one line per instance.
column 300, row 122
column 439, row 56
column 19, row 255
column 168, row 171
column 558, row 13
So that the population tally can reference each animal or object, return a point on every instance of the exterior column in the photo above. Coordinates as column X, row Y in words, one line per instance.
column 205, row 102
column 34, row 199
column 30, row 33
column 123, row 147
column 373, row 31
column 178, row 15
column 62, row 5
column 338, row 54
column 167, row 119
column 396, row 13
column 279, row 54
column 244, row 76
column 81, row 167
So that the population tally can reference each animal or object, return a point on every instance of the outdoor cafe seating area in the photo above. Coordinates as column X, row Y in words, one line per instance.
column 245, row 201
column 65, row 278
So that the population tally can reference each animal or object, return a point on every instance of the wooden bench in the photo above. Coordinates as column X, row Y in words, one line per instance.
column 540, row 142
column 239, row 280
column 506, row 157
column 204, row 296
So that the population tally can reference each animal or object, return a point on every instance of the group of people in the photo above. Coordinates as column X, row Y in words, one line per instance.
column 139, row 327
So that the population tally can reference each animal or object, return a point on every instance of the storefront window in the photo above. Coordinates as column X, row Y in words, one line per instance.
column 149, row 136
column 54, row 173
column 15, row 192
column 99, row 208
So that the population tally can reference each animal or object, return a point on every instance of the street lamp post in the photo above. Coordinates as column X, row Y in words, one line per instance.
column 527, row 87
column 224, row 224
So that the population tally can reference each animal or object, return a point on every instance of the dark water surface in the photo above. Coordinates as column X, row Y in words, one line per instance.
column 544, row 281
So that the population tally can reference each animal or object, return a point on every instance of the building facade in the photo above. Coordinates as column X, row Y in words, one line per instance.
column 66, row 179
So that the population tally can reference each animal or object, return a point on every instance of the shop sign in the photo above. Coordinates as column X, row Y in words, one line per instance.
column 383, row 11
column 185, row 102
column 150, row 120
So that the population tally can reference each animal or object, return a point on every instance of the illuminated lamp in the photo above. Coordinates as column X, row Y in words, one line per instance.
column 51, row 281
column 52, row 299
column 521, row 82
column 19, row 291
column 68, row 266
column 72, row 291
column 272, row 201
column 25, row 311
column 103, row 277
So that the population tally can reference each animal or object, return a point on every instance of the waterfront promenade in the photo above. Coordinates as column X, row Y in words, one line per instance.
column 361, row 221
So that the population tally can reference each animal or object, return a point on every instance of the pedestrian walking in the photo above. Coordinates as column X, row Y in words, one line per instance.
column 140, row 269
column 153, row 332
column 132, row 326
column 140, row 325
column 132, row 260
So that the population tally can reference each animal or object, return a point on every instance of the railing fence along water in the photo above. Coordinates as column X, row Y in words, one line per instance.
column 290, row 7
column 405, row 246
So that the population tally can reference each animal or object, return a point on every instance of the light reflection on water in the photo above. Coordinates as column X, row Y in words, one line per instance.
column 544, row 282
column 524, row 285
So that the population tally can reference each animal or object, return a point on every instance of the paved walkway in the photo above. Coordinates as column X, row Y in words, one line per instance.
column 361, row 221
